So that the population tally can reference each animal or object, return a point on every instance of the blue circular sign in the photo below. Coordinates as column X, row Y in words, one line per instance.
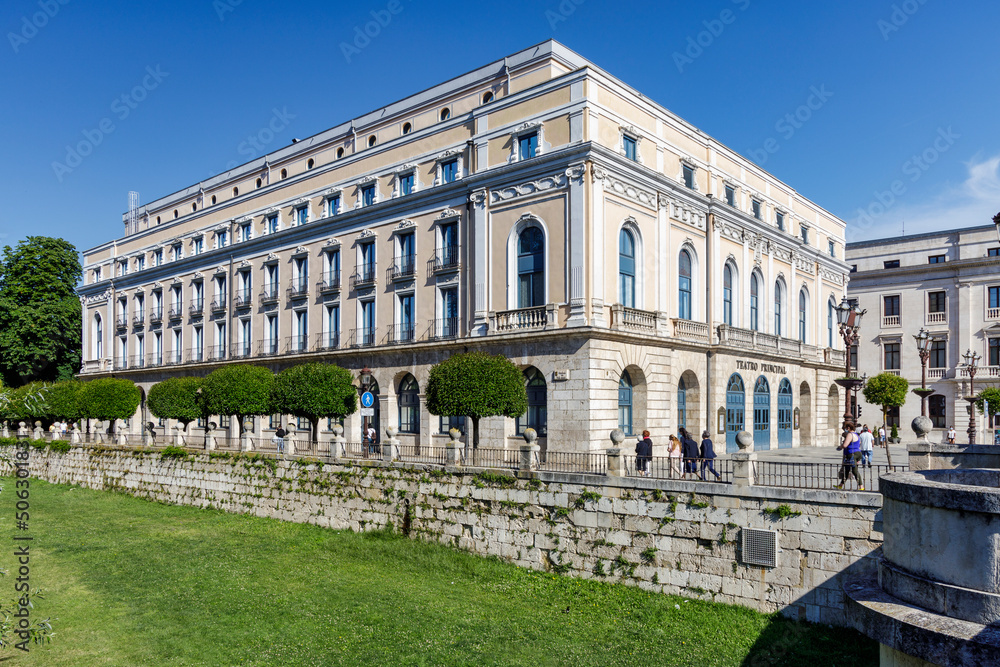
column 367, row 399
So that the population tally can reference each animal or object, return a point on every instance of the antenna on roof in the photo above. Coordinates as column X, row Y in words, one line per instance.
column 904, row 228
column 132, row 226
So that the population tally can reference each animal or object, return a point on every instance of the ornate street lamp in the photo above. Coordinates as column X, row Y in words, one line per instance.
column 849, row 319
column 365, row 377
column 971, row 360
column 924, row 341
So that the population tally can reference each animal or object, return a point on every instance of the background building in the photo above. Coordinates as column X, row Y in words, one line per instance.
column 947, row 283
column 642, row 274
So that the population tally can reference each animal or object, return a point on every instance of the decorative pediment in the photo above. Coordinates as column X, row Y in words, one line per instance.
column 332, row 243
column 301, row 250
column 689, row 161
column 271, row 209
column 630, row 129
column 244, row 264
column 176, row 281
column 221, row 269
column 368, row 179
column 221, row 228
column 367, row 234
column 406, row 224
column 530, row 125
column 402, row 169
column 140, row 290
column 157, row 286
column 198, row 275
column 271, row 257
column 332, row 191
column 300, row 200
column 448, row 213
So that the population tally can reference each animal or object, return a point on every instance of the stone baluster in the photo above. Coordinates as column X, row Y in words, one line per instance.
column 744, row 461
column 616, row 467
column 453, row 449
column 5, row 431
column 529, row 453
column 390, row 446
column 210, row 443
column 37, row 432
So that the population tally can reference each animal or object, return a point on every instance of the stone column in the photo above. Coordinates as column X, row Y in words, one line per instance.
column 529, row 453
column 37, row 432
column 577, row 246
column 744, row 461
column 597, row 234
column 337, row 443
column 616, row 464
column 479, row 256
column 390, row 445
column 453, row 449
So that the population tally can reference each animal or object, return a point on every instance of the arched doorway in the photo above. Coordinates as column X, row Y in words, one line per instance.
column 735, row 409
column 688, row 403
column 784, row 414
column 805, row 416
column 761, row 414
column 408, row 400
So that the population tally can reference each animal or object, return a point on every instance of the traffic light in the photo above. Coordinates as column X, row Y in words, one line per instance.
column 859, row 409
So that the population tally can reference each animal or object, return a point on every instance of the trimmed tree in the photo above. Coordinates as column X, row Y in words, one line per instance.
column 63, row 400
column 108, row 399
column 240, row 390
column 177, row 398
column 314, row 391
column 476, row 385
column 989, row 397
column 886, row 391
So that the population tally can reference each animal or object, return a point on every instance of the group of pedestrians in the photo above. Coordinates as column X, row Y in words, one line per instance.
column 858, row 446
column 683, row 454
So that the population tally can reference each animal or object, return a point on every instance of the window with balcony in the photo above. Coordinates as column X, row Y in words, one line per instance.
column 755, row 209
column 405, row 327
column 626, row 269
column 527, row 146
column 779, row 308
column 368, row 195
column 300, row 277
column 993, row 302
column 331, row 270
column 221, row 341
column 684, row 289
column 243, row 346
column 245, row 285
column 300, row 338
column 271, row 335
column 197, row 296
column 331, row 326
column 727, row 295
column 405, row 262
column 270, row 282
column 367, row 332
column 803, row 308
column 939, row 354
column 890, row 311
column 449, row 171
column 530, row 268
column 447, row 253
column 366, row 267
column 177, row 351
column 993, row 252
column 687, row 174
column 754, row 302
column 198, row 351
column 245, row 232
column 629, row 147
column 890, row 356
column 937, row 307
column 409, row 405
column 731, row 195
column 449, row 312
column 936, row 259
column 994, row 351
column 832, row 247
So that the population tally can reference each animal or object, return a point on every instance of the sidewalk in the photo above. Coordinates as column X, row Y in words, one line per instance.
column 826, row 455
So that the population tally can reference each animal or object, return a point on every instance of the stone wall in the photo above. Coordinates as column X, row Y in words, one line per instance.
column 662, row 535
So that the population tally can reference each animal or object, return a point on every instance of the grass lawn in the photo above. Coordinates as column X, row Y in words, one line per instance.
column 137, row 583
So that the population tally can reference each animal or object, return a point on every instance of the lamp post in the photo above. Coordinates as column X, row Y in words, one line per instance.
column 849, row 319
column 365, row 378
column 924, row 341
column 971, row 360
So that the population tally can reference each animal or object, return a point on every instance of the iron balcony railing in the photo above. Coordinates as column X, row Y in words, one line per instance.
column 121, row 322
column 219, row 304
column 195, row 355
column 364, row 276
column 446, row 259
column 173, row 358
column 138, row 319
column 266, row 348
column 197, row 307
column 154, row 359
column 329, row 283
column 270, row 294
column 296, row 344
column 445, row 328
column 242, row 350
column 364, row 337
column 138, row 361
column 403, row 267
column 327, row 341
column 244, row 299
column 176, row 312
column 217, row 353
column 156, row 315
column 402, row 333
column 298, row 289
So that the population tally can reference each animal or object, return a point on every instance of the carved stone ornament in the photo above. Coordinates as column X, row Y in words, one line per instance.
column 478, row 197
column 688, row 161
column 631, row 192
column 599, row 173
column 221, row 269
column 542, row 184
column 96, row 298
column 198, row 275
column 271, row 257
column 332, row 191
column 832, row 276
column 271, row 209
column 245, row 264
column 448, row 213
column 576, row 172
column 301, row 250
column 663, row 201
column 224, row 227
column 371, row 178
column 804, row 264
column 782, row 253
column 157, row 286
column 530, row 125
column 402, row 169
column 730, row 231
column 406, row 224
column 331, row 242
column 688, row 215
column 367, row 234
column 630, row 129
column 176, row 281
column 300, row 200
column 140, row 290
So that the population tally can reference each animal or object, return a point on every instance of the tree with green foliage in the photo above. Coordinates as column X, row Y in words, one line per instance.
column 240, row 390
column 39, row 311
column 476, row 385
column 991, row 396
column 63, row 400
column 108, row 399
column 314, row 391
column 177, row 398
column 886, row 391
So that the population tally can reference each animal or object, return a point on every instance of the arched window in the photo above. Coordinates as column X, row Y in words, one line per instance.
column 761, row 414
column 735, row 410
column 727, row 295
column 681, row 404
column 802, row 315
column 98, row 337
column 530, row 268
column 830, row 319
column 626, row 269
column 625, row 403
column 536, row 417
column 684, row 286
column 779, row 299
column 409, row 405
column 754, row 302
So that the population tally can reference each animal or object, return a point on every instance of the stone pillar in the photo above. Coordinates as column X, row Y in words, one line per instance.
column 291, row 439
column 390, row 445
column 577, row 246
column 616, row 463
column 597, row 234
column 337, row 442
column 453, row 449
column 37, row 432
column 22, row 430
column 529, row 452
column 479, row 256
column 74, row 435
column 744, row 461
column 178, row 434
column 210, row 443
column 246, row 443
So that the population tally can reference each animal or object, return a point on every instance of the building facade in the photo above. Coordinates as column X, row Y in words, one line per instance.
column 642, row 274
column 946, row 283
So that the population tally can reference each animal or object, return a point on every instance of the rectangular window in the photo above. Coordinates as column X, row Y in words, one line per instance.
column 140, row 263
column 780, row 217
column 628, row 144
column 833, row 248
column 805, row 235
column 755, row 207
column 367, row 323
column 198, row 246
column 271, row 280
column 994, row 352
column 271, row 335
column 300, row 274
column 300, row 341
column 936, row 259
column 225, row 422
column 367, row 261
column 302, row 424
column 198, row 351
column 97, row 275
column 688, row 173
column 157, row 349
column 854, row 268
column 993, row 252
column 731, row 195
column 246, row 232
column 157, row 257
column 994, row 295
column 175, row 353
column 936, row 302
column 890, row 264
column 368, row 195
column 449, row 309
column 890, row 306
column 405, row 332
column 222, row 238
column 445, row 424
column 244, row 346
column 890, row 356
column 527, row 146
column 175, row 253
column 406, row 184
column 854, row 356
column 333, row 205
column 302, row 215
column 271, row 223
column 939, row 354
column 332, row 327
column 449, row 171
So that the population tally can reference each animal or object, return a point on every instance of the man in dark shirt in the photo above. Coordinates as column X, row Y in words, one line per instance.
column 689, row 450
column 708, row 456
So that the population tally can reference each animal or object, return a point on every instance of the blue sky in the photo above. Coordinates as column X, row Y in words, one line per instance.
column 902, row 129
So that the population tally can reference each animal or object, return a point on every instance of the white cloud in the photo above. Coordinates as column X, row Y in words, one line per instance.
column 973, row 202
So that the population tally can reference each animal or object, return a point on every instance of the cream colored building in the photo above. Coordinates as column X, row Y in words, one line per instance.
column 947, row 283
column 643, row 274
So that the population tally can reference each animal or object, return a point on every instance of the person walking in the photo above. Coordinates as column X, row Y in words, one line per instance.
column 689, row 450
column 881, row 435
column 851, row 447
column 370, row 436
column 279, row 439
column 643, row 454
column 867, row 442
column 951, row 435
column 674, row 454
column 708, row 456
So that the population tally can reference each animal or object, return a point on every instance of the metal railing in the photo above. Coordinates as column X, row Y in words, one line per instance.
column 216, row 353
column 580, row 462
column 818, row 475
column 153, row 359
column 422, row 454
column 327, row 341
column 138, row 320
column 364, row 276
column 485, row 457
column 176, row 312
column 138, row 361
column 195, row 354
column 242, row 350
column 298, row 289
column 173, row 358
column 674, row 467
column 269, row 295
column 403, row 267
column 156, row 315
column 197, row 307
column 267, row 348
column 444, row 329
column 445, row 259
column 121, row 322
column 362, row 337
column 244, row 299
column 329, row 283
column 402, row 333
column 219, row 304
column 296, row 344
